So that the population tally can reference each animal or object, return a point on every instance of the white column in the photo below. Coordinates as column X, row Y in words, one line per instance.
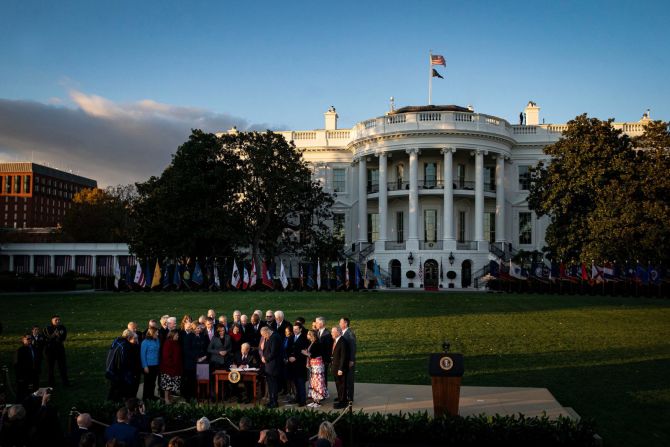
column 52, row 264
column 448, row 208
column 362, row 200
column 11, row 263
column 31, row 265
column 94, row 265
column 383, row 201
column 479, row 196
column 413, row 237
column 500, row 199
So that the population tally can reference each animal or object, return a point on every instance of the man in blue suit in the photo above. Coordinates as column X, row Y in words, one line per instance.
column 122, row 430
column 271, row 359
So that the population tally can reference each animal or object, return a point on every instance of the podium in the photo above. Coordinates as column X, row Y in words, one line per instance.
column 446, row 371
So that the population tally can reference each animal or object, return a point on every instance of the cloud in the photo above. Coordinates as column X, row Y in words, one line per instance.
column 113, row 143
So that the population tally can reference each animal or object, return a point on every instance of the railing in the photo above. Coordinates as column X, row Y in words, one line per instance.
column 373, row 188
column 430, row 245
column 395, row 119
column 431, row 184
column 390, row 245
column 524, row 130
column 498, row 251
column 304, row 135
column 337, row 134
column 466, row 245
column 398, row 185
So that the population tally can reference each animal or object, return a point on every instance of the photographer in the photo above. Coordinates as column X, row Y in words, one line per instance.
column 55, row 335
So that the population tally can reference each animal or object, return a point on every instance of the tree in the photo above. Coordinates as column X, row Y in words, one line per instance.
column 606, row 200
column 283, row 209
column 190, row 209
column 99, row 215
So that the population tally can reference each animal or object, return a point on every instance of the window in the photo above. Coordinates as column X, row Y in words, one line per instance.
column 26, row 184
column 400, row 175
column 8, row 184
column 460, row 176
column 461, row 226
column 373, row 227
column 430, row 175
column 373, row 180
column 524, row 178
column 400, row 226
column 489, row 178
column 339, row 180
column 17, row 184
column 338, row 225
column 430, row 225
column 490, row 227
column 525, row 228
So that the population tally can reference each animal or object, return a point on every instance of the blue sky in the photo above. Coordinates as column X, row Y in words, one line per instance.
column 172, row 65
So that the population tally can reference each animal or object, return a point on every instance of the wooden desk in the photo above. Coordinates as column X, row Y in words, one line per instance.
column 221, row 375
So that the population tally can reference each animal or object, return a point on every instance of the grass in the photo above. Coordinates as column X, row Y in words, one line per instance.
column 607, row 357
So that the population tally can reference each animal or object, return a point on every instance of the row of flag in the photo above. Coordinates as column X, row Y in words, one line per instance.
column 245, row 276
column 593, row 274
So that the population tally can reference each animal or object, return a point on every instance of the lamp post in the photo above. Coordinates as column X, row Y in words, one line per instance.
column 410, row 258
column 451, row 258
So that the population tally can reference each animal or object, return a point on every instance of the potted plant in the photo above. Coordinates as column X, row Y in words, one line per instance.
column 411, row 274
column 451, row 275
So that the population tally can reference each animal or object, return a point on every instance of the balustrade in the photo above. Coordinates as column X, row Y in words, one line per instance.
column 390, row 245
column 430, row 245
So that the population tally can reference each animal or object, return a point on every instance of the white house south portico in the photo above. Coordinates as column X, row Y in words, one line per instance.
column 440, row 185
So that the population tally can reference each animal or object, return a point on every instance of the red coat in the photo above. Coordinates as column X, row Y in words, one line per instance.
column 171, row 361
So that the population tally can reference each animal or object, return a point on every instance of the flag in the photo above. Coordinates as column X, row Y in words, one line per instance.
column 217, row 280
column 357, row 275
column 282, row 275
column 420, row 271
column 555, row 273
column 441, row 270
column 318, row 274
column 166, row 276
column 139, row 276
column 378, row 275
column 515, row 271
column 642, row 274
column 597, row 274
column 585, row 274
column 156, row 279
column 253, row 273
column 654, row 275
column 147, row 275
column 266, row 276
column 310, row 277
column 176, row 276
column 117, row 274
column 436, row 59
column 366, row 281
column 235, row 277
column 338, row 276
column 129, row 276
column 608, row 273
column 436, row 74
column 301, row 278
column 197, row 274
column 245, row 277
column 346, row 274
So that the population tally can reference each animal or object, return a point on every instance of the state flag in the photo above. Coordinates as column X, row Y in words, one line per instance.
column 282, row 275
column 156, row 279
column 139, row 276
column 235, row 277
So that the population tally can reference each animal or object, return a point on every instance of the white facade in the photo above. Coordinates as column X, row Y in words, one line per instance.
column 433, row 183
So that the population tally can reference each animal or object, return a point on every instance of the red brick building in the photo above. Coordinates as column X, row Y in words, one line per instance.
column 36, row 196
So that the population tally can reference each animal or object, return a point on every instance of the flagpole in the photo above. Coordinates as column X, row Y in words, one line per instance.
column 430, row 76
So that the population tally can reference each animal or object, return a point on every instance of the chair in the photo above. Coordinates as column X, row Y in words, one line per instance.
column 202, row 375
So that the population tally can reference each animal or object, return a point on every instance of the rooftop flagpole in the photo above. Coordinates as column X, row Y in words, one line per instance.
column 430, row 75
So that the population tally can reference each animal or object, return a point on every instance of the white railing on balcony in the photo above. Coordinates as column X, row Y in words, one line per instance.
column 430, row 116
column 524, row 130
column 394, row 119
column 390, row 245
column 338, row 134
column 466, row 245
column 430, row 245
column 304, row 135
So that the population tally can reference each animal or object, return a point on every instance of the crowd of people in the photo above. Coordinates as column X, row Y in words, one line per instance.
column 293, row 358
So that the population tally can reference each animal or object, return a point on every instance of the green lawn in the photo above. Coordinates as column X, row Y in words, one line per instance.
column 608, row 358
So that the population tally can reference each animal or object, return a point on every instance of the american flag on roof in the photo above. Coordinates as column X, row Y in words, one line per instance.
column 436, row 59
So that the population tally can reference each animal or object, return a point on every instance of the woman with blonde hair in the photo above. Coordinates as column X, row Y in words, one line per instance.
column 327, row 437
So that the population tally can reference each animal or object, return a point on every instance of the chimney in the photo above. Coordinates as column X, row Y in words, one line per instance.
column 532, row 112
column 331, row 118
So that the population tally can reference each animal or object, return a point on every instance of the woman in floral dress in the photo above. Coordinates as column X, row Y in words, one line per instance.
column 317, row 381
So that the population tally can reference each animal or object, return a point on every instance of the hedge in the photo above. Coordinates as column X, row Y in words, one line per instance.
column 363, row 429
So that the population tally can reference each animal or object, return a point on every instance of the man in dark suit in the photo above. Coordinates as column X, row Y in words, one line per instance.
column 156, row 438
column 297, row 364
column 340, row 366
column 38, row 342
column 271, row 359
column 84, row 423
column 243, row 360
column 55, row 335
column 281, row 323
column 121, row 430
column 25, row 368
column 349, row 335
column 326, row 341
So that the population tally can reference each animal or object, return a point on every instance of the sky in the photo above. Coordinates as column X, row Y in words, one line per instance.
column 109, row 89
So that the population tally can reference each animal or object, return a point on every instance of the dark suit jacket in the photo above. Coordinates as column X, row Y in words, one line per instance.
column 350, row 337
column 326, row 341
column 252, row 360
column 25, row 365
column 217, row 345
column 272, row 354
column 76, row 435
column 281, row 329
column 122, row 432
column 340, row 359
column 201, row 439
column 155, row 441
column 299, row 367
